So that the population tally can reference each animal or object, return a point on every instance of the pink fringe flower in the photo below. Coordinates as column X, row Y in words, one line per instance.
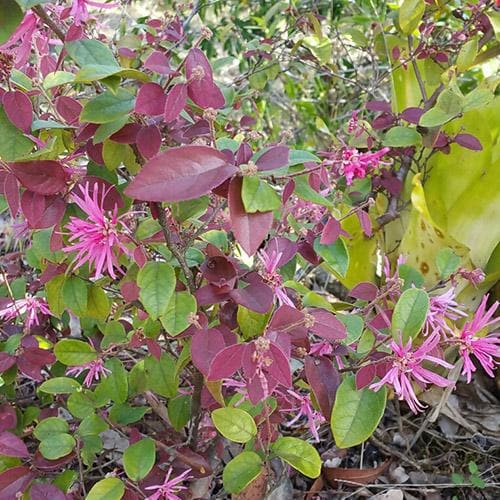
column 442, row 308
column 79, row 9
column 96, row 370
column 407, row 368
column 272, row 277
column 356, row 165
column 304, row 408
column 33, row 307
column 484, row 349
column 99, row 236
column 170, row 487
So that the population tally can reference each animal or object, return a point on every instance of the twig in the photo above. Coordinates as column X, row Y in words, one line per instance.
column 390, row 451
column 418, row 76
column 40, row 12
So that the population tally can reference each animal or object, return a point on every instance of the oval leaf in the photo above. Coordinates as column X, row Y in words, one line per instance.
column 409, row 314
column 234, row 424
column 299, row 454
column 139, row 459
column 110, row 488
column 241, row 471
column 157, row 283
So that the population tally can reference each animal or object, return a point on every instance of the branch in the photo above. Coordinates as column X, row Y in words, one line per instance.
column 40, row 12
column 414, row 63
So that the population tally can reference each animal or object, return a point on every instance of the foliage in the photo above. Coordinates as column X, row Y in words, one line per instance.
column 174, row 187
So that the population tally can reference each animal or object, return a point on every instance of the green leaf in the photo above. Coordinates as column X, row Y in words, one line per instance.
column 478, row 98
column 354, row 325
column 49, row 427
column 356, row 414
column 13, row 143
column 410, row 276
column 467, row 55
column 447, row 262
column 92, row 425
column 58, row 446
column 60, row 385
column 234, row 424
column 250, row 322
column 57, row 78
column 299, row 156
column 72, row 352
column 11, row 16
column 108, row 129
column 410, row 15
column 86, row 52
column 400, row 137
column 258, row 195
column 161, row 375
column 176, row 318
column 409, row 314
column 98, row 305
column 80, row 404
column 450, row 102
column 138, row 459
column 241, row 471
column 305, row 192
column 114, row 333
column 108, row 107
column 75, row 295
column 157, row 283
column 124, row 414
column 299, row 454
column 435, row 117
column 115, row 385
column 179, row 411
column 335, row 255
column 110, row 488
column 53, row 291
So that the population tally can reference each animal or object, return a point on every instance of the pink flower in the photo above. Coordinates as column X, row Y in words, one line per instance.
column 272, row 277
column 96, row 370
column 20, row 42
column 304, row 408
column 357, row 165
column 33, row 307
column 442, row 308
column 475, row 277
column 321, row 348
column 407, row 368
column 484, row 349
column 99, row 236
column 80, row 12
column 170, row 487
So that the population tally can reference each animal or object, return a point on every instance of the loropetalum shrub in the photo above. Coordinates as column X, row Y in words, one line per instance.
column 160, row 298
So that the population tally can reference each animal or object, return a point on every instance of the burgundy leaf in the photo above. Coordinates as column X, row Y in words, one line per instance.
column 205, row 345
column 12, row 446
column 412, row 115
column 69, row 109
column 95, row 152
column 288, row 319
column 8, row 417
column 127, row 134
column 324, row 381
column 11, row 193
column 383, row 106
column 158, row 62
column 274, row 157
column 287, row 248
column 366, row 223
column 18, row 108
column 365, row 375
column 250, row 230
column 175, row 102
column 112, row 196
column 210, row 294
column 43, row 464
column 149, row 141
column 243, row 154
column 130, row 291
column 201, row 87
column 42, row 211
column 40, row 176
column 383, row 121
column 469, row 141
column 327, row 326
column 226, row 362
column 280, row 367
column 219, row 271
column 288, row 190
column 257, row 297
column 6, row 361
column 42, row 491
column 381, row 320
column 330, row 232
column 364, row 291
column 150, row 100
column 14, row 481
column 182, row 173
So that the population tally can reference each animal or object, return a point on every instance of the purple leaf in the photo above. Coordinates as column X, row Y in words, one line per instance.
column 219, row 271
column 412, row 115
column 365, row 375
column 257, row 297
column 40, row 176
column 159, row 63
column 324, row 381
column 250, row 230
column 469, row 141
column 364, row 291
column 6, row 360
column 127, row 134
column 331, row 232
column 274, row 157
column 243, row 154
column 226, row 362
column 175, row 102
column 286, row 247
column 19, row 109
column 8, row 417
column 149, row 141
column 327, row 326
column 182, row 173
column 383, row 106
column 14, row 481
column 12, row 446
column 42, row 211
column 201, row 87
column 42, row 491
column 11, row 193
column 150, row 100
column 69, row 109
column 205, row 345
column 366, row 223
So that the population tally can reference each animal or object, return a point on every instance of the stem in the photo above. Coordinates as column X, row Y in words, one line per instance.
column 416, row 69
column 195, row 410
column 40, row 12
